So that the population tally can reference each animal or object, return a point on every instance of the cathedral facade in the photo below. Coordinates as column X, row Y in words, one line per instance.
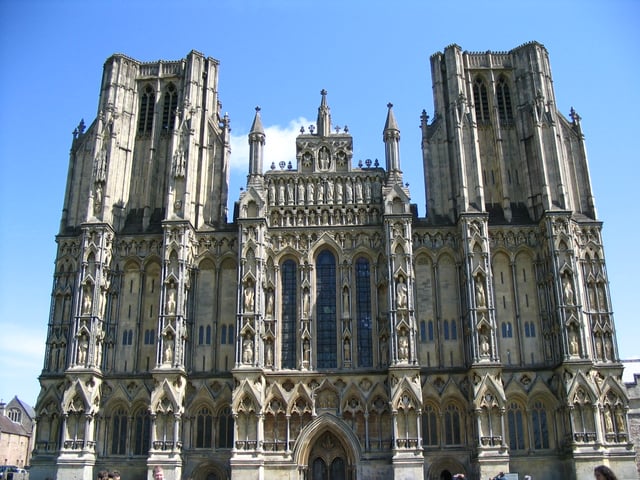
column 327, row 331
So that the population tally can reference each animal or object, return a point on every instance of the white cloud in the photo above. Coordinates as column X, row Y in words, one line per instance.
column 280, row 145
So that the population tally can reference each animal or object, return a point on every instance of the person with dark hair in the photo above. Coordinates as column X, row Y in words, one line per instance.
column 604, row 473
column 103, row 475
column 115, row 475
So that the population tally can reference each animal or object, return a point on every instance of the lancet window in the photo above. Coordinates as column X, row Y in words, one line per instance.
column 169, row 108
column 289, row 313
column 147, row 105
column 363, row 302
column 503, row 98
column 326, row 310
column 481, row 101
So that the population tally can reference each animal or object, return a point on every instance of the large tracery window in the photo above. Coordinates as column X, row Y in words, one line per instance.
column 363, row 310
column 225, row 428
column 516, row 427
column 326, row 310
column 169, row 108
column 204, row 428
column 503, row 97
column 481, row 101
column 119, row 433
column 147, row 105
column 289, row 313
column 539, row 426
column 452, row 426
column 141, row 434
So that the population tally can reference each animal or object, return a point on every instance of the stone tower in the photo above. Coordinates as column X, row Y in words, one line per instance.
column 327, row 331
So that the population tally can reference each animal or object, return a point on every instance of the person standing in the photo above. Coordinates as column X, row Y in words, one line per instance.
column 604, row 473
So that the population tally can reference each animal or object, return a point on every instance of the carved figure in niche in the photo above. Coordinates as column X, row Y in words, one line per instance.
column 97, row 198
column 485, row 346
column 300, row 192
column 323, row 159
column 290, row 193
column 306, row 351
column 269, row 309
column 592, row 296
column 247, row 350
column 345, row 301
column 248, row 298
column 608, row 420
column 310, row 192
column 171, row 301
column 574, row 346
column 83, row 348
column 569, row 297
column 338, row 191
column 403, row 347
column 384, row 351
column 358, row 191
column 367, row 190
column 87, row 300
column 598, row 339
column 269, row 354
column 330, row 191
column 347, row 350
column 608, row 347
column 620, row 420
column 281, row 198
column 272, row 194
column 481, row 297
column 401, row 293
column 325, row 218
column 168, row 349
column 348, row 191
column 602, row 298
column 305, row 302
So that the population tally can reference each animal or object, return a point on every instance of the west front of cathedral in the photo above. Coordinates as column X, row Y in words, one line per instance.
column 325, row 330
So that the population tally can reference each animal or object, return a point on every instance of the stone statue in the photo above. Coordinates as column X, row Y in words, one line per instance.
column 347, row 350
column 608, row 420
column 306, row 351
column 305, row 302
column 403, row 347
column 248, row 298
column 83, row 348
column 568, row 291
column 247, row 350
column 171, row 301
column 269, row 354
column 620, row 420
column 484, row 344
column 300, row 192
column 345, row 301
column 168, row 350
column 269, row 309
column 401, row 294
column 481, row 298
column 574, row 347
column 384, row 351
column 87, row 300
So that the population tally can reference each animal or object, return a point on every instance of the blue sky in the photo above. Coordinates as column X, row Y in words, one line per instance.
column 279, row 55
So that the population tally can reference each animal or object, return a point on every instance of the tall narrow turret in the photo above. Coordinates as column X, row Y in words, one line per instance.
column 391, row 136
column 256, row 146
column 324, row 117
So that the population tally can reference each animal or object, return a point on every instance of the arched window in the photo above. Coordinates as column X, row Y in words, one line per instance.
column 200, row 335
column 503, row 97
column 204, row 428
column 141, row 436
column 452, row 426
column 423, row 331
column 169, row 108
column 446, row 329
column 516, row 427
column 225, row 428
column 539, row 426
column 147, row 105
column 430, row 332
column 363, row 310
column 481, row 101
column 326, row 310
column 429, row 426
column 208, row 335
column 454, row 330
column 289, row 313
column 230, row 339
column 223, row 335
column 119, row 432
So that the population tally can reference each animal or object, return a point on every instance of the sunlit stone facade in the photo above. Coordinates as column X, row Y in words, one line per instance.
column 326, row 331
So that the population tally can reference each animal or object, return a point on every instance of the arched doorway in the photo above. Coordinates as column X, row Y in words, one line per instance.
column 328, row 459
column 446, row 475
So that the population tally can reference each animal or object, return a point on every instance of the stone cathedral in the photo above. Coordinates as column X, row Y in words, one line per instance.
column 326, row 331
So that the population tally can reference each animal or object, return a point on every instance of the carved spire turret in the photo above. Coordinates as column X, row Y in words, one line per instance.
column 324, row 117
column 256, row 145
column 391, row 136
